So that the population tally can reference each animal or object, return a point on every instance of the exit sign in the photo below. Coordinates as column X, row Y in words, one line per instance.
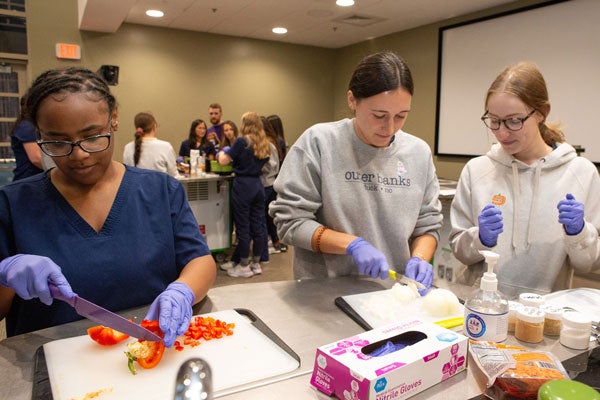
column 69, row 51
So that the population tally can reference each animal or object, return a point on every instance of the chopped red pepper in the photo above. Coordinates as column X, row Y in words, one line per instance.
column 105, row 336
column 206, row 328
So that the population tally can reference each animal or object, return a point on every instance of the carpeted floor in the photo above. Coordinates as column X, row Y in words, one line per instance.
column 279, row 268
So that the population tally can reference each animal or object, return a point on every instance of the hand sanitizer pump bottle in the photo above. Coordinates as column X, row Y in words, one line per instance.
column 486, row 310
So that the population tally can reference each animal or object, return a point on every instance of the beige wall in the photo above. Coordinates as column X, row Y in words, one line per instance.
column 419, row 47
column 176, row 74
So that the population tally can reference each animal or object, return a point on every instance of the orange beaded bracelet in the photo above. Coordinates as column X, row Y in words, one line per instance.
column 320, row 232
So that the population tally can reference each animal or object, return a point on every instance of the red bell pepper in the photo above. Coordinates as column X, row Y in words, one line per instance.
column 106, row 336
column 156, row 348
column 148, row 354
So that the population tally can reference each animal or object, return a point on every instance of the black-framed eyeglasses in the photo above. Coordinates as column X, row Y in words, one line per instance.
column 92, row 144
column 512, row 123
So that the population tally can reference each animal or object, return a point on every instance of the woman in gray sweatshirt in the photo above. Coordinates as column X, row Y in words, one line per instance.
column 360, row 195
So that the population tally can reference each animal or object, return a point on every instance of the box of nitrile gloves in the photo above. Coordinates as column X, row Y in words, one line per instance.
column 395, row 361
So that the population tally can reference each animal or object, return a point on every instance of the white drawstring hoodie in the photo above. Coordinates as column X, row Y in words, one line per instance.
column 535, row 252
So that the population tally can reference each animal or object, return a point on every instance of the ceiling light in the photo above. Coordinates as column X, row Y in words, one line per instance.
column 155, row 13
column 279, row 30
column 344, row 3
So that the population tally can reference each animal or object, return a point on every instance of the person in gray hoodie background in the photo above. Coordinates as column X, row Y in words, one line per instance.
column 360, row 196
column 530, row 199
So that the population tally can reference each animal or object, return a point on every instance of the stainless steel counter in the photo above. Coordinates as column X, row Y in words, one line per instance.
column 205, row 176
column 301, row 313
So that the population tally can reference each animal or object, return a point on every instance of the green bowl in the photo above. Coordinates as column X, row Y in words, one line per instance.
column 217, row 168
column 563, row 389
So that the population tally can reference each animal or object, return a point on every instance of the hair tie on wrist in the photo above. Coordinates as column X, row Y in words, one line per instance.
column 421, row 256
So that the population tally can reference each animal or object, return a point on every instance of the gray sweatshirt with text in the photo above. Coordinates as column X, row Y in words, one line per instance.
column 388, row 196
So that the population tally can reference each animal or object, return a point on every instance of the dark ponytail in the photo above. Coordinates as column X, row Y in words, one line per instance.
column 144, row 123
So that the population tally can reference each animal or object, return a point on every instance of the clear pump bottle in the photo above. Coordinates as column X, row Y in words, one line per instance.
column 486, row 310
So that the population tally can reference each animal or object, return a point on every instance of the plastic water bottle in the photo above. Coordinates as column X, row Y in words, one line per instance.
column 486, row 310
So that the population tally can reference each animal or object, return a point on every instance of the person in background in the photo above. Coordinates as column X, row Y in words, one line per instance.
column 230, row 133
column 198, row 140
column 23, row 141
column 215, row 132
column 249, row 153
column 147, row 151
column 530, row 198
column 118, row 236
column 278, row 128
column 270, row 171
column 360, row 194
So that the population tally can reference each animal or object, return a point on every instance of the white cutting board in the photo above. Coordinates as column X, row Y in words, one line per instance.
column 381, row 308
column 78, row 366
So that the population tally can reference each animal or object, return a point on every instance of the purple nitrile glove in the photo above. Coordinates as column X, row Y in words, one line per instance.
column 28, row 275
column 225, row 150
column 490, row 225
column 570, row 214
column 368, row 259
column 421, row 271
column 173, row 310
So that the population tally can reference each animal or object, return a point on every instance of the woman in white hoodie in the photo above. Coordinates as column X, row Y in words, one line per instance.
column 530, row 198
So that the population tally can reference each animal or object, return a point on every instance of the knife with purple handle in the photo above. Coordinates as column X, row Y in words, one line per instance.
column 104, row 317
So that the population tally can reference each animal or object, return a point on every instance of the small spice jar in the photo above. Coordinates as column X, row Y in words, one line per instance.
column 552, row 320
column 530, row 325
column 531, row 299
column 576, row 330
column 513, row 307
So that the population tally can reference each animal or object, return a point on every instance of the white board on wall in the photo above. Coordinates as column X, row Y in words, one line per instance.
column 562, row 38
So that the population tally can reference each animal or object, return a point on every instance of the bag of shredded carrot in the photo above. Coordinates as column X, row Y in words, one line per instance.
column 515, row 372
